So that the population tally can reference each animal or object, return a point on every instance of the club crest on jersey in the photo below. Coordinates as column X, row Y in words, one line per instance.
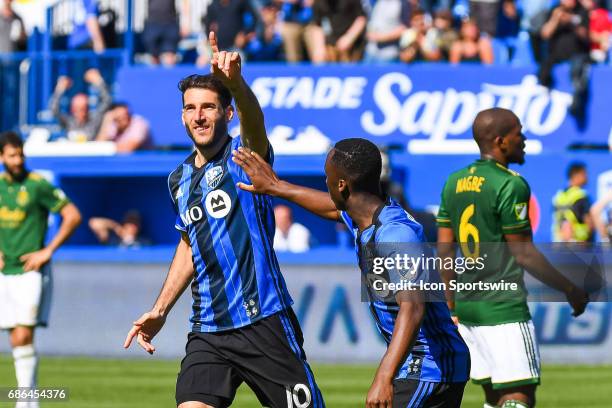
column 213, row 176
column 520, row 210
column 22, row 197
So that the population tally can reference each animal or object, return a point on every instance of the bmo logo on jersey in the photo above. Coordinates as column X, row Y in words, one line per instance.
column 218, row 203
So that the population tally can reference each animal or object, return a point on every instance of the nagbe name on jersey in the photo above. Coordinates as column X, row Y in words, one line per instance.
column 469, row 183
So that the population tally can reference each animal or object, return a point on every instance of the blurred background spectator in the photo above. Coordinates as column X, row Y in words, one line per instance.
column 601, row 213
column 415, row 43
column 82, row 124
column 162, row 30
column 485, row 15
column 344, row 23
column 299, row 32
column 471, row 46
column 572, row 220
column 567, row 32
column 534, row 15
column 234, row 22
column 600, row 26
column 385, row 27
column 126, row 233
column 443, row 33
column 130, row 132
column 289, row 236
column 267, row 44
column 12, row 31
column 86, row 32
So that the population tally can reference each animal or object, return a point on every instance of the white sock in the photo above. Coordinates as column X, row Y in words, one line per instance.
column 487, row 405
column 26, row 365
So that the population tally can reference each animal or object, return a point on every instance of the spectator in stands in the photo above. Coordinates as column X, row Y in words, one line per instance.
column 601, row 214
column 161, row 33
column 12, row 31
column 298, row 30
column 572, row 220
column 567, row 33
column 86, row 33
column 600, row 29
column 289, row 236
column 234, row 22
column 81, row 125
column 127, row 233
column 508, row 20
column 442, row 33
column 384, row 29
column 415, row 44
column 344, row 23
column 471, row 46
column 267, row 45
column 484, row 13
column 130, row 132
column 534, row 15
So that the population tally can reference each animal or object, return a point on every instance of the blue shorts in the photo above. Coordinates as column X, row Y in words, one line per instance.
column 159, row 38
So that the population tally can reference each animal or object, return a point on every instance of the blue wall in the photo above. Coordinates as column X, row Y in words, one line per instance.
column 392, row 104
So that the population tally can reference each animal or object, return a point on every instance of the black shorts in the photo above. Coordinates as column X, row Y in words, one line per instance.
column 425, row 394
column 267, row 355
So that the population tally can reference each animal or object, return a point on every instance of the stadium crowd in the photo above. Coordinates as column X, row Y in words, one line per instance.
column 348, row 30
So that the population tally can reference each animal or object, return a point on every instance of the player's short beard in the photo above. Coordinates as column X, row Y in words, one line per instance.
column 17, row 176
column 220, row 131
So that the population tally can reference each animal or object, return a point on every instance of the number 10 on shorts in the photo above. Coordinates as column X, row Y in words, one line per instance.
column 299, row 396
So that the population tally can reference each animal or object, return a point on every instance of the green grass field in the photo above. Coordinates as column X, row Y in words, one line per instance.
column 106, row 383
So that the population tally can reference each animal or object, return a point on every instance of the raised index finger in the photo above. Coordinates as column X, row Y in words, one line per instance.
column 212, row 39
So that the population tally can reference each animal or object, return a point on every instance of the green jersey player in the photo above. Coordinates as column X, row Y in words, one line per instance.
column 487, row 203
column 26, row 199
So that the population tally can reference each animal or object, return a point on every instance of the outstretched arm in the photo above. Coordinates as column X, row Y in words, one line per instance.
column 530, row 258
column 179, row 276
column 265, row 181
column 227, row 67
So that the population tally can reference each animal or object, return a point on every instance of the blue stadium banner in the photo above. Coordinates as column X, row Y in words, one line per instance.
column 429, row 108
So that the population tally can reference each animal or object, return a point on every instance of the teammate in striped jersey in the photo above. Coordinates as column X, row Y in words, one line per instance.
column 427, row 362
column 243, row 328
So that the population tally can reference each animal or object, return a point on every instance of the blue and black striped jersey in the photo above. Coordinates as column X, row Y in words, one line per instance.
column 237, row 278
column 439, row 353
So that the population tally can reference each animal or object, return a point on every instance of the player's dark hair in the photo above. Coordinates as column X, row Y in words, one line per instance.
column 360, row 161
column 10, row 138
column 206, row 82
column 575, row 168
column 491, row 123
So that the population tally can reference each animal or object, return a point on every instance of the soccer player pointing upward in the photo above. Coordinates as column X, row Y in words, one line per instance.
column 243, row 328
column 426, row 363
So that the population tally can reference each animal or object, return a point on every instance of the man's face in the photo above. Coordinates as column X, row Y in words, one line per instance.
column 122, row 118
column 581, row 178
column 14, row 161
column 282, row 215
column 335, row 184
column 514, row 144
column 204, row 117
column 79, row 107
column 418, row 22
